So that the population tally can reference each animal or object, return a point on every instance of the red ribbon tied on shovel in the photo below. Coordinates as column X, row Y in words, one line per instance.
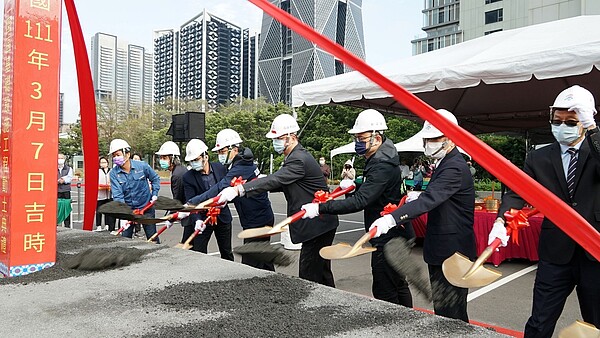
column 237, row 181
column 516, row 220
column 211, row 215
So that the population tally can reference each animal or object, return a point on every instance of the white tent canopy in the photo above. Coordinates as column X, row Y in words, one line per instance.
column 500, row 82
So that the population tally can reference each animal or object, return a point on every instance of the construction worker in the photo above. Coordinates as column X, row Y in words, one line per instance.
column 382, row 182
column 196, row 182
column 169, row 159
column 255, row 211
column 299, row 177
column 449, row 201
column 129, row 184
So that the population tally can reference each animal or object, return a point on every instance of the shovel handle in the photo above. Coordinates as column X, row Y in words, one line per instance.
column 160, row 231
column 191, row 238
column 337, row 193
column 208, row 202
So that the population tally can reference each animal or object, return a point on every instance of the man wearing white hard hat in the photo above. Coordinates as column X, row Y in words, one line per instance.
column 196, row 182
column 570, row 168
column 169, row 159
column 382, row 186
column 255, row 211
column 449, row 201
column 299, row 178
column 129, row 184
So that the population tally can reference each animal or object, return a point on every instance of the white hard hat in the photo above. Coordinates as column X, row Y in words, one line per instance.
column 429, row 131
column 283, row 124
column 118, row 144
column 168, row 148
column 368, row 120
column 194, row 149
column 226, row 138
column 572, row 96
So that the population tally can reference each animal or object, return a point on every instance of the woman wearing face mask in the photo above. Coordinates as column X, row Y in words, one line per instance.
column 104, row 196
column 197, row 181
column 449, row 201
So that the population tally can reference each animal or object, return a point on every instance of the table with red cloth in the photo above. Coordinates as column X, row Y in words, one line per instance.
column 528, row 237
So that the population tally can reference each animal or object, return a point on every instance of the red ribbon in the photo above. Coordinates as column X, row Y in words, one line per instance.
column 517, row 220
column 556, row 210
column 237, row 181
column 211, row 215
column 87, row 109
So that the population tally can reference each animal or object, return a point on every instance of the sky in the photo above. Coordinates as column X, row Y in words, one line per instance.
column 389, row 26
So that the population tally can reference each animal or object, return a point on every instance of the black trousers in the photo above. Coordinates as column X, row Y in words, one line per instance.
column 448, row 300
column 554, row 283
column 312, row 266
column 388, row 285
column 67, row 195
column 108, row 220
column 222, row 233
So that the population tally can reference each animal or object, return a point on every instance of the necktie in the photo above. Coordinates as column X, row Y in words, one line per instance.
column 571, row 171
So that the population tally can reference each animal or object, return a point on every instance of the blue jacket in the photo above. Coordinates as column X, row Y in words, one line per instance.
column 132, row 188
column 254, row 211
column 195, row 188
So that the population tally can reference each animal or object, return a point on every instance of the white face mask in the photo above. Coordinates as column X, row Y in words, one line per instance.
column 61, row 161
column 197, row 165
column 322, row 162
column 435, row 149
column 223, row 158
column 566, row 135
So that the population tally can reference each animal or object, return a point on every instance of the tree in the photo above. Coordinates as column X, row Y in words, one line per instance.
column 71, row 146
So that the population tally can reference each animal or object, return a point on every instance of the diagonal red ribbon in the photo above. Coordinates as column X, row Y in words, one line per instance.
column 556, row 210
column 87, row 109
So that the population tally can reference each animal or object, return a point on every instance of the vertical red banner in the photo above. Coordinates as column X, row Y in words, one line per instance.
column 29, row 135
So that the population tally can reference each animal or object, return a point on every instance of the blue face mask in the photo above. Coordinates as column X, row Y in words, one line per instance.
column 164, row 164
column 197, row 165
column 360, row 148
column 279, row 145
column 223, row 158
column 565, row 135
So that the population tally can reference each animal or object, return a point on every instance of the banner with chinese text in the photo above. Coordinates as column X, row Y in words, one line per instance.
column 29, row 135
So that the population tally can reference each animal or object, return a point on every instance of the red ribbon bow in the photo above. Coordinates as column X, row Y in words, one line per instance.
column 516, row 220
column 211, row 215
column 321, row 197
column 237, row 181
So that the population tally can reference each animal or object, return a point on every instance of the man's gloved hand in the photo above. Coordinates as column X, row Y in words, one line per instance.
column 182, row 214
column 498, row 231
column 383, row 224
column 346, row 183
column 412, row 195
column 228, row 194
column 312, row 210
column 125, row 224
column 585, row 114
column 200, row 226
column 168, row 224
column 153, row 199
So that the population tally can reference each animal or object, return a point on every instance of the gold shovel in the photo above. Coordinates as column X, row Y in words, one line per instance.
column 266, row 231
column 579, row 329
column 187, row 245
column 345, row 250
column 463, row 273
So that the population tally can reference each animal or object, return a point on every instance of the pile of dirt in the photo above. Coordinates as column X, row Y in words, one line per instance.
column 265, row 252
column 95, row 259
column 397, row 254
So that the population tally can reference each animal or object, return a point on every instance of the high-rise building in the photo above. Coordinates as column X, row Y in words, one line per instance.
column 287, row 59
column 250, row 65
column 122, row 73
column 205, row 59
column 448, row 22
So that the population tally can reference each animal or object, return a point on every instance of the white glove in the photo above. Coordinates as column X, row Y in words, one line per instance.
column 312, row 210
column 200, row 226
column 228, row 194
column 346, row 183
column 498, row 231
column 412, row 195
column 585, row 114
column 168, row 224
column 383, row 224
column 125, row 224
column 182, row 214
column 154, row 198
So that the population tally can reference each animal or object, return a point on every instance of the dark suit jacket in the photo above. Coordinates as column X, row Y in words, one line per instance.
column 299, row 178
column 545, row 166
column 193, row 186
column 450, row 202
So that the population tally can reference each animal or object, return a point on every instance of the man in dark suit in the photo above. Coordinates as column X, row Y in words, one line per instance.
column 449, row 201
column 382, row 183
column 196, row 184
column 575, row 179
column 299, row 178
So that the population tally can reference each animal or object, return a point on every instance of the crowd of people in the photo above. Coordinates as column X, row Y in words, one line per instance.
column 570, row 168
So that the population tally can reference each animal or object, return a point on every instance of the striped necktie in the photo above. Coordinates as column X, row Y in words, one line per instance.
column 571, row 171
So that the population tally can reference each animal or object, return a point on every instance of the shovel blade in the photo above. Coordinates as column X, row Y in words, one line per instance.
column 457, row 265
column 343, row 251
column 260, row 232
column 179, row 246
column 579, row 329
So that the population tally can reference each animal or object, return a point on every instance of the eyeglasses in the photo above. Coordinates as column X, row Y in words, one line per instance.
column 363, row 138
column 570, row 123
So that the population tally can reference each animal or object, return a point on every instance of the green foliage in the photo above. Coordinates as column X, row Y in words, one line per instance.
column 511, row 147
column 485, row 184
column 71, row 146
